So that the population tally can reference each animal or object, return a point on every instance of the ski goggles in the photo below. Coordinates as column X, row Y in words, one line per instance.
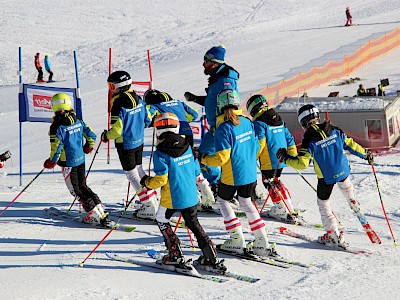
column 113, row 86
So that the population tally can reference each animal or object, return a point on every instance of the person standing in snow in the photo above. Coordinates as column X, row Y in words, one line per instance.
column 381, row 90
column 72, row 138
column 39, row 68
column 221, row 77
column 325, row 144
column 47, row 66
column 349, row 18
column 175, row 173
column 236, row 148
column 129, row 118
column 361, row 91
column 161, row 102
column 273, row 134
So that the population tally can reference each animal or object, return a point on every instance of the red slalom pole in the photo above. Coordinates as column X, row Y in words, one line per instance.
column 19, row 194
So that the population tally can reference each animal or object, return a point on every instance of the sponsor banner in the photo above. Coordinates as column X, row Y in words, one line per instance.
column 35, row 103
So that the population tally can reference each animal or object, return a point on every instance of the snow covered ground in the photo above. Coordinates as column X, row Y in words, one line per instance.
column 266, row 41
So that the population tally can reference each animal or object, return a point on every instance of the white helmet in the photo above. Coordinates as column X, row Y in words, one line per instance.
column 166, row 122
column 306, row 114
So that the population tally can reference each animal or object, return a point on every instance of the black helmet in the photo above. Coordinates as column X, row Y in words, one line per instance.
column 120, row 80
column 306, row 114
column 155, row 96
column 255, row 103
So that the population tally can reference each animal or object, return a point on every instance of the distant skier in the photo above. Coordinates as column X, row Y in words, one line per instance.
column 3, row 157
column 325, row 143
column 349, row 21
column 236, row 148
column 72, row 136
column 39, row 68
column 175, row 173
column 47, row 66
column 361, row 91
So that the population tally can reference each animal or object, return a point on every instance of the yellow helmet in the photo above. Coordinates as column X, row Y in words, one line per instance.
column 61, row 101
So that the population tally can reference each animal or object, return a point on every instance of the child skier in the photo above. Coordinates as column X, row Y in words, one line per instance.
column 68, row 135
column 161, row 102
column 47, row 66
column 128, row 120
column 325, row 143
column 175, row 173
column 273, row 134
column 236, row 149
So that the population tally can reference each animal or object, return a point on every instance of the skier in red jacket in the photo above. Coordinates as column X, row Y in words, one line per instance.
column 38, row 67
column 349, row 21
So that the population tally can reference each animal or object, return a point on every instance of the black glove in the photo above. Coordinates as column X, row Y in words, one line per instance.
column 6, row 155
column 189, row 96
column 369, row 157
column 281, row 154
column 143, row 180
column 103, row 137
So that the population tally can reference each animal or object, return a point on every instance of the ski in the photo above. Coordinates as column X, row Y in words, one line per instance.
column 158, row 255
column 59, row 214
column 193, row 272
column 300, row 221
column 265, row 260
column 133, row 216
column 306, row 238
column 374, row 238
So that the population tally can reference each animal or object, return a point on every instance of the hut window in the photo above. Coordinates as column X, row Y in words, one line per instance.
column 374, row 129
column 391, row 127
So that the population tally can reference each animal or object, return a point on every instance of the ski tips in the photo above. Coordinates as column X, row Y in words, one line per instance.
column 282, row 229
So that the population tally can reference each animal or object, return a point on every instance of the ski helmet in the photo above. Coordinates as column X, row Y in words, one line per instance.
column 166, row 122
column 60, row 102
column 227, row 99
column 155, row 96
column 120, row 80
column 255, row 103
column 306, row 114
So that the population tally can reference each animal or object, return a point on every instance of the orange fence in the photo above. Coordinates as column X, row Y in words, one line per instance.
column 332, row 70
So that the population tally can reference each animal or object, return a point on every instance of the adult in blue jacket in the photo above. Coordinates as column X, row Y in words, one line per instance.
column 222, row 77
column 325, row 144
column 47, row 66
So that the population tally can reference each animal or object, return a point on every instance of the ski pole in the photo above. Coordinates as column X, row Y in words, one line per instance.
column 383, row 207
column 109, row 232
column 127, row 193
column 19, row 194
column 265, row 203
column 187, row 229
column 152, row 148
column 87, row 174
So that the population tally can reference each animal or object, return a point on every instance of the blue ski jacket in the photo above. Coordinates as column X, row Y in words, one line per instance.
column 236, row 150
column 325, row 143
column 184, row 113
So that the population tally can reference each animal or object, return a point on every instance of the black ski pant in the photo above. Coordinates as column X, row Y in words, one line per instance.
column 40, row 74
column 86, row 196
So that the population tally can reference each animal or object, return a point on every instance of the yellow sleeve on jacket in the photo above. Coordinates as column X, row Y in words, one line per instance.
column 355, row 146
column 301, row 161
column 218, row 159
column 262, row 143
column 292, row 150
column 116, row 128
column 156, row 181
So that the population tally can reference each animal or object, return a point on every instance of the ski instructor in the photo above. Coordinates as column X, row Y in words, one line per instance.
column 222, row 77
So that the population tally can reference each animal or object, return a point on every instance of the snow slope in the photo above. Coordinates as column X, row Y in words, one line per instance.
column 266, row 41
